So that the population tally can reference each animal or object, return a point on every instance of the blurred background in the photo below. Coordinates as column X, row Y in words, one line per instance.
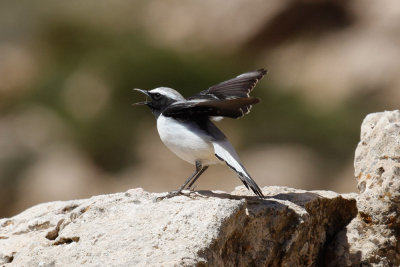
column 68, row 130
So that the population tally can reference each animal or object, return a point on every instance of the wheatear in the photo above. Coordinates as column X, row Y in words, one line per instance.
column 185, row 127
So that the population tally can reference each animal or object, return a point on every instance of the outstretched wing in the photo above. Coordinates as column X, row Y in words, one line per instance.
column 232, row 108
column 238, row 87
column 227, row 99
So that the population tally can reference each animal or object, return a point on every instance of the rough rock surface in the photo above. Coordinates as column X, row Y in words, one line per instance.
column 290, row 228
column 373, row 237
column 204, row 228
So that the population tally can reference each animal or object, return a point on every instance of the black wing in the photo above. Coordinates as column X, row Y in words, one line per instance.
column 232, row 108
column 237, row 87
column 227, row 99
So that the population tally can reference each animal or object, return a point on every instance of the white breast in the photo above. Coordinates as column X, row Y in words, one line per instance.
column 186, row 140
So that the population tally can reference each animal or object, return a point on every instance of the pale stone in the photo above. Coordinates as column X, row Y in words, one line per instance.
column 373, row 237
column 290, row 228
column 203, row 228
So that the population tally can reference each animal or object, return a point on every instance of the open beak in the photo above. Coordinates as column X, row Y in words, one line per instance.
column 143, row 92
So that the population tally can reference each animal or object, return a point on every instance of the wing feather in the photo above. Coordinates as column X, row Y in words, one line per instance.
column 227, row 99
column 225, row 152
column 238, row 87
column 232, row 108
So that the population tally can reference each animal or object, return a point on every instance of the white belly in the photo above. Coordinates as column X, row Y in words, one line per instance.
column 186, row 140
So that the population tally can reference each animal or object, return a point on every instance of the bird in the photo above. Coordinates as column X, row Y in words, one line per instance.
column 185, row 124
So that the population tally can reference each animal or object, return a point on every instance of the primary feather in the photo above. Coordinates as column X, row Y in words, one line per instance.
column 238, row 87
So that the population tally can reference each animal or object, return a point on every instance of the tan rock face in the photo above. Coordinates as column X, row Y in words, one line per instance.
column 377, row 159
column 204, row 228
column 374, row 237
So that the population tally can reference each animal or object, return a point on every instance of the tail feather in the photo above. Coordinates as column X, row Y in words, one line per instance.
column 224, row 151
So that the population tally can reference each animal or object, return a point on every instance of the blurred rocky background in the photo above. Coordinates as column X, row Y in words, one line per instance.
column 68, row 130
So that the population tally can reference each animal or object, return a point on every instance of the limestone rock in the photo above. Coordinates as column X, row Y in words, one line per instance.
column 373, row 237
column 203, row 228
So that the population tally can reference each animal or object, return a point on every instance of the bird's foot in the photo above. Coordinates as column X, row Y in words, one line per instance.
column 191, row 189
column 169, row 195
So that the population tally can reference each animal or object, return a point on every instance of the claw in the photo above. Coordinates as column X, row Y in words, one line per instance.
column 191, row 188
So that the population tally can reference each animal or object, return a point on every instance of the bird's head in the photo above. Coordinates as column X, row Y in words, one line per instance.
column 159, row 98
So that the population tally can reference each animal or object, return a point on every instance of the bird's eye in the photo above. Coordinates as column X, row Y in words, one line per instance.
column 156, row 96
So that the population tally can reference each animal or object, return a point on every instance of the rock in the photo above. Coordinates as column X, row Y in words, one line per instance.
column 290, row 228
column 373, row 237
column 203, row 228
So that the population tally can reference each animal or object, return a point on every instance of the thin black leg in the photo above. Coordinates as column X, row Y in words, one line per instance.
column 197, row 177
column 199, row 170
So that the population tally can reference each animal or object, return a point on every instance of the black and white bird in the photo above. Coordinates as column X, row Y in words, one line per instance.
column 185, row 126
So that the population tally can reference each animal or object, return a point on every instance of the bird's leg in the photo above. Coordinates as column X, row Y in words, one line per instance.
column 197, row 177
column 199, row 170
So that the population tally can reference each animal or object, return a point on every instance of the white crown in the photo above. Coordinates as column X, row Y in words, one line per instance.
column 168, row 92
